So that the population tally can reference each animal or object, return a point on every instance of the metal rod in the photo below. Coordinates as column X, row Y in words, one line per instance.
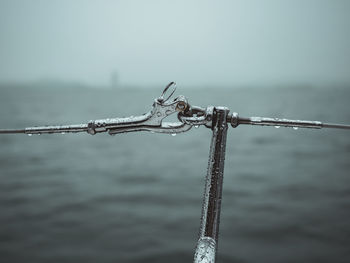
column 57, row 129
column 209, row 230
column 48, row 129
column 277, row 122
column 263, row 121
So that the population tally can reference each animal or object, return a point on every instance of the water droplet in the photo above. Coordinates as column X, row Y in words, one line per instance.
column 295, row 128
column 173, row 134
column 29, row 134
column 277, row 127
column 196, row 126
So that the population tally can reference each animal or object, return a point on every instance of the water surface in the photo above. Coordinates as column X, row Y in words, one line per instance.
column 137, row 197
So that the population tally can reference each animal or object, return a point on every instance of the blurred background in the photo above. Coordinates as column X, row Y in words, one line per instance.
column 137, row 197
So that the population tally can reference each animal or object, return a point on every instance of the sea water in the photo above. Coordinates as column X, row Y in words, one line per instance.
column 137, row 197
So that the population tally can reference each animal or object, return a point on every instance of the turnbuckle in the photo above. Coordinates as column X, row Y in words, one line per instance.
column 151, row 121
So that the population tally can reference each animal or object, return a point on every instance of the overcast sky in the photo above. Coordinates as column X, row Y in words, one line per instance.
column 192, row 42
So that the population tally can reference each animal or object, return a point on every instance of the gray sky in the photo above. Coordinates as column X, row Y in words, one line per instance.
column 192, row 42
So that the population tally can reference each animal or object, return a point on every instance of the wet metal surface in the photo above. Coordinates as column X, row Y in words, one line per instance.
column 211, row 207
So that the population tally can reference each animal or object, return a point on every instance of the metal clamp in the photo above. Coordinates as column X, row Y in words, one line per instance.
column 196, row 116
column 151, row 121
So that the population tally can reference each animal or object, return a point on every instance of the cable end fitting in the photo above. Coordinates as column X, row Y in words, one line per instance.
column 233, row 119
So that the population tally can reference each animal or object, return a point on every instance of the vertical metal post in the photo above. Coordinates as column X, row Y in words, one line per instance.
column 209, row 230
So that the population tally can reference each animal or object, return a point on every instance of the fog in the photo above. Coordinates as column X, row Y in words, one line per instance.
column 192, row 42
